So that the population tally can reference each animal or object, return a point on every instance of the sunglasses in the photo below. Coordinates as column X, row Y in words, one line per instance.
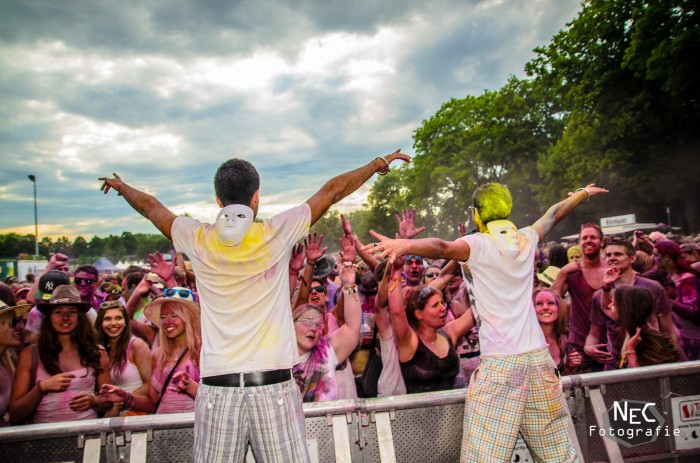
column 318, row 289
column 111, row 305
column 175, row 292
column 84, row 281
column 310, row 324
column 418, row 259
column 16, row 321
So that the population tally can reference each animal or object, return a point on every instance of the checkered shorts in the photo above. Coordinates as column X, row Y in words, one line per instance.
column 268, row 418
column 511, row 394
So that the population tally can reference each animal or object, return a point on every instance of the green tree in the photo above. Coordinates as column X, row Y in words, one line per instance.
column 626, row 75
column 79, row 247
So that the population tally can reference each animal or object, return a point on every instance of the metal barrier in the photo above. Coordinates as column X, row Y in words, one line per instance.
column 412, row 428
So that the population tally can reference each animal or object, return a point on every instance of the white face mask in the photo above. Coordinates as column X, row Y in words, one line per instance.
column 505, row 235
column 232, row 223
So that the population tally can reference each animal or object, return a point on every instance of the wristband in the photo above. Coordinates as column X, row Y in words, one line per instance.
column 588, row 195
column 394, row 284
column 129, row 399
column 346, row 265
column 386, row 169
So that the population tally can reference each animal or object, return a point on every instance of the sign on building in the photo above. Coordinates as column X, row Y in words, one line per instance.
column 627, row 219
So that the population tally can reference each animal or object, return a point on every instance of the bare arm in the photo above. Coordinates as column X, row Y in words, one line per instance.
column 557, row 212
column 445, row 276
column 143, row 203
column 406, row 338
column 341, row 186
column 460, row 326
column 433, row 248
column 559, row 286
column 593, row 345
column 345, row 339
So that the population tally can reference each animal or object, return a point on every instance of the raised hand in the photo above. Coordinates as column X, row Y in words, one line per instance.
column 313, row 248
column 387, row 247
column 296, row 262
column 634, row 341
column 345, row 225
column 160, row 266
column 611, row 275
column 58, row 262
column 407, row 227
column 115, row 183
column 348, row 254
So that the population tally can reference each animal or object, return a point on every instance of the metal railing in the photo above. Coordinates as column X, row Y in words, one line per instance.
column 419, row 427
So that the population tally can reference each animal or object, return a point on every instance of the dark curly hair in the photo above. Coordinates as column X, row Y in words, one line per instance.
column 83, row 336
column 236, row 181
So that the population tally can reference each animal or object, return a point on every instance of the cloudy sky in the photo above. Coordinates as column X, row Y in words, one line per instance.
column 162, row 92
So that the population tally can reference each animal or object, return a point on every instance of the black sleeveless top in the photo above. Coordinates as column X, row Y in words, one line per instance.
column 427, row 372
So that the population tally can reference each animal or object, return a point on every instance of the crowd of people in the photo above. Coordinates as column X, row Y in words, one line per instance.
column 80, row 344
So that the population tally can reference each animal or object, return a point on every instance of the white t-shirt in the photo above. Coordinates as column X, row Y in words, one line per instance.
column 503, row 291
column 244, row 292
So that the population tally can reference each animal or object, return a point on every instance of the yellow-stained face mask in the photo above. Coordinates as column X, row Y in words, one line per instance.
column 505, row 236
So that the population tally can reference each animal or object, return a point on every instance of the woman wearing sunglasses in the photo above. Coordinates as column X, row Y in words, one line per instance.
column 11, row 327
column 56, row 379
column 315, row 372
column 129, row 356
column 175, row 363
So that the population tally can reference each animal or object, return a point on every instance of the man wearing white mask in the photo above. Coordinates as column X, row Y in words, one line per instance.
column 516, row 387
column 247, row 394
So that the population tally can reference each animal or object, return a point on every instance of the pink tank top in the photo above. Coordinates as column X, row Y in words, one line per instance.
column 130, row 378
column 54, row 407
column 172, row 400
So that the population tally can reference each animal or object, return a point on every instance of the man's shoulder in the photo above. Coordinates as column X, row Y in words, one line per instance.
column 647, row 283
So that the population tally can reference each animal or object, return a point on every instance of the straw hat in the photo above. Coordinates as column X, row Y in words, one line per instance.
column 180, row 295
column 64, row 295
column 549, row 275
column 17, row 309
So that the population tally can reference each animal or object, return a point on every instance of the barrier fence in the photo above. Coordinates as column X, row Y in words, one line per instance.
column 660, row 404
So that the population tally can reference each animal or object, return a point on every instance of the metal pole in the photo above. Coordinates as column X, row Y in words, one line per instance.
column 36, row 220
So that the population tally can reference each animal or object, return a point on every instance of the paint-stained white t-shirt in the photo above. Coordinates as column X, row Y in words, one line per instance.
column 244, row 292
column 503, row 291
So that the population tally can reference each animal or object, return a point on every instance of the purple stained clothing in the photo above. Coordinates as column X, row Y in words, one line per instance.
column 687, row 298
column 315, row 373
column 615, row 332
column 331, row 290
column 54, row 408
column 174, row 401
column 580, row 312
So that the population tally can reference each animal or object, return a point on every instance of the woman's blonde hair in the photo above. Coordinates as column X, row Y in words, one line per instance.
column 193, row 333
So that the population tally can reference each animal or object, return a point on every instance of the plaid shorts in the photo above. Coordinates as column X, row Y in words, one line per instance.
column 511, row 394
column 268, row 418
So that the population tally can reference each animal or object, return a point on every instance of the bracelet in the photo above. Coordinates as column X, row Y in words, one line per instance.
column 386, row 169
column 630, row 352
column 310, row 263
column 588, row 195
column 394, row 284
column 129, row 399
column 350, row 290
column 38, row 388
column 347, row 264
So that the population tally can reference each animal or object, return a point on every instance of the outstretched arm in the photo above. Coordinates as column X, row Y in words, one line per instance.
column 339, row 187
column 143, row 203
column 433, row 248
column 556, row 213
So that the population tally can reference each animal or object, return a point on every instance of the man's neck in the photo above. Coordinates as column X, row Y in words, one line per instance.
column 593, row 261
column 627, row 277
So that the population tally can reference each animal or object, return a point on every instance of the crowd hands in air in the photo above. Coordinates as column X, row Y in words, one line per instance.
column 371, row 321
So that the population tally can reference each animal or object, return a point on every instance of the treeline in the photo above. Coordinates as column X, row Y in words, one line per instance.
column 129, row 245
column 613, row 99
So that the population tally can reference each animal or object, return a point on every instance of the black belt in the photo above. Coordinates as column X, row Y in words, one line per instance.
column 469, row 355
column 255, row 378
